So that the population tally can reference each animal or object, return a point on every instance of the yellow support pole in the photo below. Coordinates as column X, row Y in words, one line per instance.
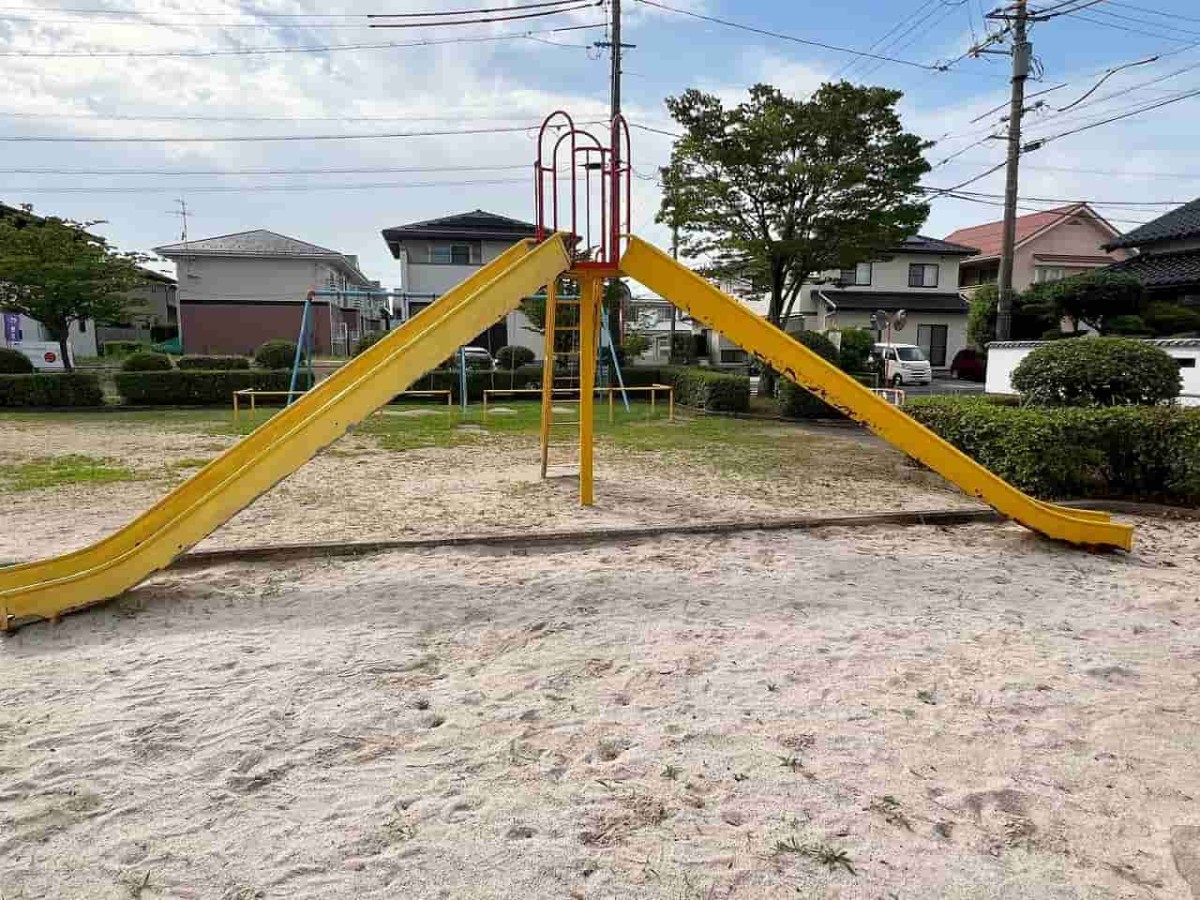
column 548, row 372
column 589, row 337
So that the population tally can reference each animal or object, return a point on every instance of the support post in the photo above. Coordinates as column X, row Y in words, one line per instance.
column 1021, row 52
column 591, row 289
column 548, row 371
column 462, row 379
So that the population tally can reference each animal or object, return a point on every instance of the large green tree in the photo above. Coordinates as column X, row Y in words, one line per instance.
column 774, row 190
column 55, row 271
column 1097, row 299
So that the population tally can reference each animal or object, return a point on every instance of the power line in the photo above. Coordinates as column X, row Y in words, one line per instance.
column 253, row 189
column 787, row 37
column 483, row 20
column 1127, row 29
column 1134, row 112
column 1032, row 209
column 59, row 139
column 468, row 12
column 271, row 51
column 1089, row 201
column 1154, row 12
column 166, row 118
column 1126, row 173
column 880, row 42
column 354, row 170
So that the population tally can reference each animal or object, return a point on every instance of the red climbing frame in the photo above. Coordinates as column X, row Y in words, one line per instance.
column 601, row 172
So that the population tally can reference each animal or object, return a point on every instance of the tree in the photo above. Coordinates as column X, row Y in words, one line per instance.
column 1031, row 317
column 54, row 271
column 775, row 189
column 1094, row 298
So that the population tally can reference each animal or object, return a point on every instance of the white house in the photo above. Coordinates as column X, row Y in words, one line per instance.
column 437, row 254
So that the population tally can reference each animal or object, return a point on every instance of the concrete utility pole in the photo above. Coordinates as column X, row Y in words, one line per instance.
column 1021, row 53
column 615, row 90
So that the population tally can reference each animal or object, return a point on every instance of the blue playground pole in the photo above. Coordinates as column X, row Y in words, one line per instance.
column 462, row 377
column 606, row 340
column 301, row 347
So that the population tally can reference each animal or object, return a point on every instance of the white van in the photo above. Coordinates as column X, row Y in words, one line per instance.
column 903, row 364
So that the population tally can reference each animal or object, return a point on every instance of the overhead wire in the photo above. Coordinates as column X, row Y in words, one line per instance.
column 484, row 20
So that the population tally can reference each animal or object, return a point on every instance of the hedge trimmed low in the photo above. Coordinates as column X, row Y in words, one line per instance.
column 146, row 361
column 1149, row 453
column 514, row 357
column 14, row 362
column 184, row 387
column 118, row 349
column 708, row 390
column 796, row 402
column 276, row 353
column 213, row 363
column 477, row 382
column 1097, row 371
column 49, row 389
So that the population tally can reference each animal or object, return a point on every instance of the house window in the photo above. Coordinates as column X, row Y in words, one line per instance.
column 932, row 339
column 450, row 254
column 1042, row 274
column 1186, row 362
column 860, row 275
column 730, row 357
column 83, row 326
column 923, row 275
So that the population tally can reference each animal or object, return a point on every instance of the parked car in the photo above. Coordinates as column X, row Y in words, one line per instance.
column 478, row 360
column 969, row 364
column 903, row 364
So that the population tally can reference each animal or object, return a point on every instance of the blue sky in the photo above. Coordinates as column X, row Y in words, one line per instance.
column 512, row 82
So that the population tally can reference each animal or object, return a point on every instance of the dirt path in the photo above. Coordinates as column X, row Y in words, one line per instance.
column 969, row 712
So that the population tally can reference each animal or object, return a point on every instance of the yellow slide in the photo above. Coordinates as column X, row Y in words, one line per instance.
column 751, row 332
column 282, row 444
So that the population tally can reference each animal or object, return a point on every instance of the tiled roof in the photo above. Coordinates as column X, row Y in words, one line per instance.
column 1183, row 222
column 988, row 237
column 259, row 242
column 478, row 225
column 919, row 243
column 893, row 300
column 1165, row 343
column 1163, row 269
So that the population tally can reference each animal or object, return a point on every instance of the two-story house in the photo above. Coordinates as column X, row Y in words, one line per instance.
column 437, row 254
column 1168, row 256
column 1050, row 246
column 238, row 290
column 920, row 276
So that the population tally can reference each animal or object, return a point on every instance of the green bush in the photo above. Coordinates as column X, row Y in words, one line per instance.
column 146, row 361
column 514, row 357
column 1170, row 318
column 709, row 390
column 118, row 349
column 366, row 341
column 477, row 381
column 856, row 349
column 213, row 363
column 14, row 362
column 192, row 387
column 275, row 354
column 797, row 403
column 1138, row 453
column 46, row 389
column 1097, row 372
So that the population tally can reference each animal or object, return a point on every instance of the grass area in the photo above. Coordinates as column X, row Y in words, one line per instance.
column 53, row 471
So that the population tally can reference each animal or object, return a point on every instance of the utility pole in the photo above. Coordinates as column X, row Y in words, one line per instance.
column 615, row 90
column 1021, row 53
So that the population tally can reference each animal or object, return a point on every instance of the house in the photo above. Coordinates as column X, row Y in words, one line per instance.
column 1050, row 246
column 437, row 254
column 920, row 275
column 1168, row 256
column 236, row 291
column 651, row 316
column 153, row 306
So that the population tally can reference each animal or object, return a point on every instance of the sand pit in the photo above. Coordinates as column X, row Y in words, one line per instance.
column 968, row 712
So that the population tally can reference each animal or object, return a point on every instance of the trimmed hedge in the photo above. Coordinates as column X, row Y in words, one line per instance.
column 796, row 402
column 192, row 387
column 275, row 354
column 708, row 390
column 1133, row 452
column 51, row 389
column 367, row 341
column 146, row 361
column 477, row 382
column 14, row 362
column 213, row 363
column 118, row 349
column 514, row 357
column 1097, row 372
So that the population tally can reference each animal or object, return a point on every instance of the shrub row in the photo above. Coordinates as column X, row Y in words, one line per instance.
column 14, row 362
column 1139, row 453
column 118, row 349
column 190, row 387
column 478, row 382
column 213, row 363
column 705, row 389
column 51, row 389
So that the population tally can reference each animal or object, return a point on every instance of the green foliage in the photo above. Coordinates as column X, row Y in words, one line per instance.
column 797, row 403
column 1139, row 453
column 213, row 363
column 477, row 382
column 706, row 389
column 367, row 341
column 534, row 309
column 192, row 387
column 1094, row 298
column 14, row 362
column 47, row 389
column 54, row 271
column 1166, row 319
column 514, row 357
column 276, row 354
column 777, row 188
column 686, row 348
column 855, row 352
column 53, row 471
column 1031, row 317
column 1097, row 372
column 146, row 361
column 120, row 349
column 633, row 345
column 1128, row 325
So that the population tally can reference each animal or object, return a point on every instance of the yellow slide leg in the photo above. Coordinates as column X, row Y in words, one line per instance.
column 282, row 444
column 687, row 290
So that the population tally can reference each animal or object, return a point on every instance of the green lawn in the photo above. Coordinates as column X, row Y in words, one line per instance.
column 53, row 471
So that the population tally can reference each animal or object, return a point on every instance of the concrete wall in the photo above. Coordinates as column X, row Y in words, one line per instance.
column 420, row 276
column 257, row 280
column 82, row 337
column 215, row 327
column 1003, row 358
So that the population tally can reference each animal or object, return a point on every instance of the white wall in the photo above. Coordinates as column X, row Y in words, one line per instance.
column 1003, row 358
column 419, row 276
column 248, row 278
column 82, row 341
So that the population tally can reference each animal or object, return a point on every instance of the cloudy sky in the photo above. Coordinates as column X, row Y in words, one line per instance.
column 112, row 109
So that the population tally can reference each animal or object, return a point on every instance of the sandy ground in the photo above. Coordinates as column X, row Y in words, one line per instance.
column 966, row 713
column 355, row 491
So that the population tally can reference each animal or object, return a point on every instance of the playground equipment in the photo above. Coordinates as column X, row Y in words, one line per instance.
column 564, row 246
